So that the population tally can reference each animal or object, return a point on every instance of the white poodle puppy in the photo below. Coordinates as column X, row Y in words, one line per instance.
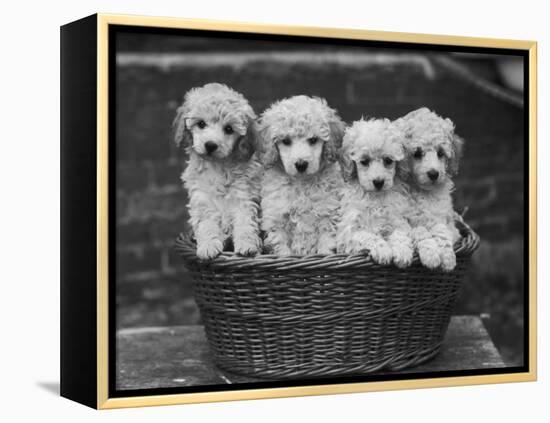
column 216, row 124
column 375, row 202
column 302, row 181
column 433, row 151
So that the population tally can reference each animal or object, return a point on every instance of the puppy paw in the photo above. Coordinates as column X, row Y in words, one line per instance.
column 382, row 254
column 429, row 258
column 249, row 247
column 448, row 260
column 209, row 250
column 402, row 256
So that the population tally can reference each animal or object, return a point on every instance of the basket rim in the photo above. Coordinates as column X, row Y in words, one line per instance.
column 186, row 247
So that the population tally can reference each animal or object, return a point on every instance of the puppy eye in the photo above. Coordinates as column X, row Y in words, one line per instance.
column 365, row 161
column 201, row 124
column 228, row 129
column 313, row 140
column 388, row 161
column 286, row 141
column 440, row 153
column 418, row 153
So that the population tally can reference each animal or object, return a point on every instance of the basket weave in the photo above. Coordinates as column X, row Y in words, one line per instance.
column 288, row 317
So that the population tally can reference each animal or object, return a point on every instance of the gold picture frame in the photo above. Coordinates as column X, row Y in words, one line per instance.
column 101, row 313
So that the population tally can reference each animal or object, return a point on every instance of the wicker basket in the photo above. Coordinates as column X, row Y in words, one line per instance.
column 288, row 317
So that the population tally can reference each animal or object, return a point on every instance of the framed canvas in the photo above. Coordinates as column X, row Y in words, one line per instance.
column 257, row 211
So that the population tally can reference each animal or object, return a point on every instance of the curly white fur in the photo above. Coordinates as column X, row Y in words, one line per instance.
column 433, row 151
column 302, row 181
column 217, row 125
column 375, row 202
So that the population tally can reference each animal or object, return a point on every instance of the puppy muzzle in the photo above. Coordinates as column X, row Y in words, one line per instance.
column 301, row 166
column 433, row 175
column 210, row 147
column 378, row 184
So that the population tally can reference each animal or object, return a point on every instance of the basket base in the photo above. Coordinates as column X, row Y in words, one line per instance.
column 286, row 371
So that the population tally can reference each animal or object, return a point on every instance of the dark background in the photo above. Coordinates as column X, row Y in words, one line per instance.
column 153, row 73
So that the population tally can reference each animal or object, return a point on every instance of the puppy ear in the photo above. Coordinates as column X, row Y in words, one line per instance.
column 347, row 165
column 457, row 150
column 456, row 146
column 396, row 140
column 337, row 128
column 404, row 168
column 265, row 145
column 247, row 143
column 182, row 135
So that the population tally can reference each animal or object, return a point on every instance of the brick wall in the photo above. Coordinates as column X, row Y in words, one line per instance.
column 153, row 288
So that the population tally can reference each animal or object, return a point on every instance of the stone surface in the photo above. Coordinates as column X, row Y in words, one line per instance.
column 162, row 357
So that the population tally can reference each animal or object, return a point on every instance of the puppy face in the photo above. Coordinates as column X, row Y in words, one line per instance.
column 432, row 148
column 216, row 122
column 376, row 172
column 370, row 154
column 301, row 134
column 213, row 135
column 428, row 162
column 300, row 154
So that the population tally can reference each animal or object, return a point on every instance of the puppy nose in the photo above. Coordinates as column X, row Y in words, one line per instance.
column 378, row 183
column 210, row 146
column 301, row 165
column 433, row 175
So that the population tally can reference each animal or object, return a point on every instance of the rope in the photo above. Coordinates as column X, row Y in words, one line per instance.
column 487, row 86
